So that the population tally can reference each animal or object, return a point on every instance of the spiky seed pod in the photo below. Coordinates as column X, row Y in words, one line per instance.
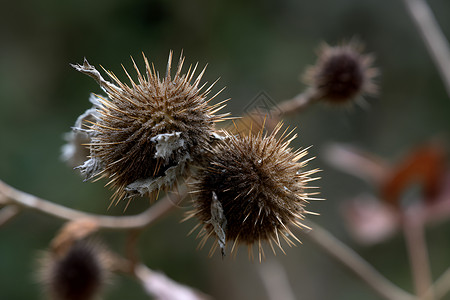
column 342, row 73
column 78, row 274
column 253, row 187
column 146, row 134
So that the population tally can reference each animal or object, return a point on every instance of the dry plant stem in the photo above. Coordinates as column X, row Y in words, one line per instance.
column 144, row 219
column 349, row 258
column 286, row 108
column 275, row 281
column 433, row 37
column 8, row 213
column 162, row 287
column 131, row 246
column 418, row 256
column 353, row 161
column 297, row 104
column 441, row 286
column 156, row 284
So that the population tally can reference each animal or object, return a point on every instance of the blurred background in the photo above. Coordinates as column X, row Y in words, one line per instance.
column 252, row 46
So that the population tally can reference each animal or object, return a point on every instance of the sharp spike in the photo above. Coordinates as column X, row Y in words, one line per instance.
column 193, row 72
column 199, row 77
column 180, row 65
column 235, row 243
column 169, row 65
column 271, row 246
column 128, row 75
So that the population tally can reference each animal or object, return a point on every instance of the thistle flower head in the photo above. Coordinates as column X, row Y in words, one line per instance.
column 342, row 73
column 252, row 188
column 78, row 274
column 146, row 134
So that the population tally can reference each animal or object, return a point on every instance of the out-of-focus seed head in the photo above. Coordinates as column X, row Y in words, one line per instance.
column 146, row 135
column 78, row 274
column 342, row 73
column 251, row 190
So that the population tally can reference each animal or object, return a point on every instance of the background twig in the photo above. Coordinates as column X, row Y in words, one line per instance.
column 418, row 255
column 297, row 104
column 433, row 37
column 355, row 263
column 275, row 280
column 441, row 286
column 144, row 219
column 8, row 213
column 162, row 287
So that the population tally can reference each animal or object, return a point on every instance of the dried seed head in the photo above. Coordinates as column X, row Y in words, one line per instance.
column 252, row 188
column 78, row 274
column 342, row 73
column 145, row 135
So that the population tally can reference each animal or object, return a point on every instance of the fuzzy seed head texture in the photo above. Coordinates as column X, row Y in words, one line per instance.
column 342, row 74
column 79, row 274
column 251, row 190
column 146, row 134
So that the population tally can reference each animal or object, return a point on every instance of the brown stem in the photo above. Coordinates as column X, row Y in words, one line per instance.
column 418, row 255
column 8, row 213
column 355, row 263
column 297, row 104
column 144, row 219
column 269, row 117
column 131, row 247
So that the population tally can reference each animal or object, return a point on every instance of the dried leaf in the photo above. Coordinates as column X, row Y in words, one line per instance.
column 425, row 166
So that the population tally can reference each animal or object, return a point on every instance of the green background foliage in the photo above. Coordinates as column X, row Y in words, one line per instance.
column 252, row 46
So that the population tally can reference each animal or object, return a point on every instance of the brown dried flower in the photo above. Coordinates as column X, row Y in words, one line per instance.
column 146, row 135
column 342, row 73
column 77, row 274
column 252, row 188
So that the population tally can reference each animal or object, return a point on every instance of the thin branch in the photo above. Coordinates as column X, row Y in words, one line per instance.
column 162, row 287
column 131, row 247
column 297, row 104
column 441, row 286
column 275, row 281
column 8, row 213
column 433, row 37
column 355, row 263
column 418, row 255
column 356, row 162
column 144, row 219
column 269, row 117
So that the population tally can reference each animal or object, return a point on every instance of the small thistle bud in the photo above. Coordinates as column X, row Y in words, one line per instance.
column 342, row 73
column 78, row 274
column 252, row 188
column 146, row 135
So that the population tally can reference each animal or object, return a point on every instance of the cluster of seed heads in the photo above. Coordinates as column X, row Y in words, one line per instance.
column 248, row 187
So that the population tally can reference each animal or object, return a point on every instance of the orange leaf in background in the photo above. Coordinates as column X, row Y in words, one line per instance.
column 425, row 166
